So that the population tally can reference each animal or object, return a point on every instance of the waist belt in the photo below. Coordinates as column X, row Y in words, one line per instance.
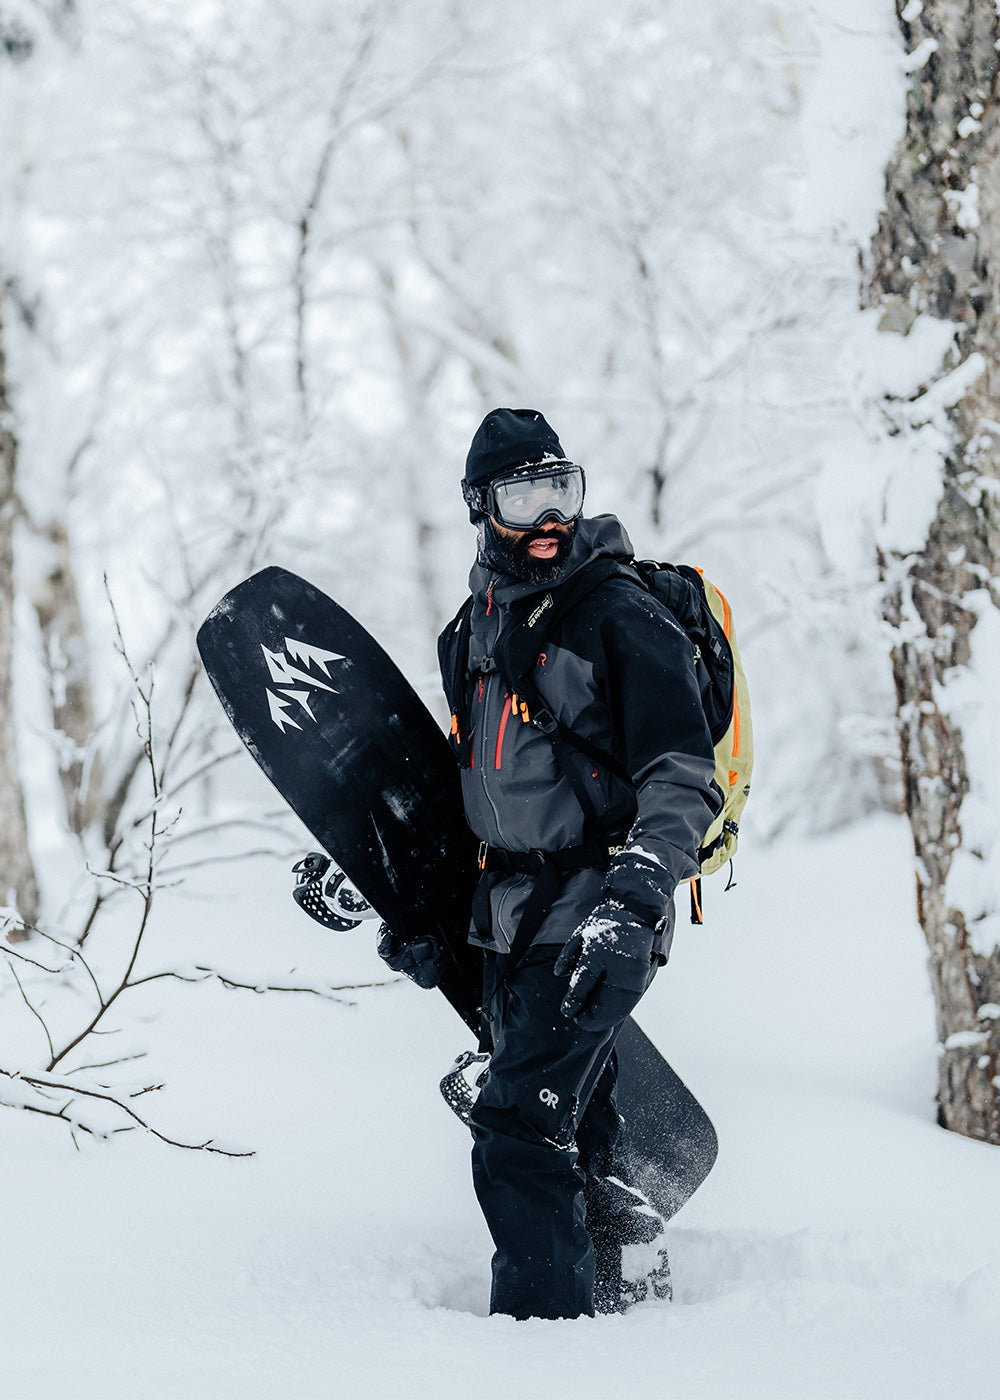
column 595, row 853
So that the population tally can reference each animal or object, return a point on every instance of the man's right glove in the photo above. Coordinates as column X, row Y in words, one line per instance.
column 420, row 959
column 609, row 961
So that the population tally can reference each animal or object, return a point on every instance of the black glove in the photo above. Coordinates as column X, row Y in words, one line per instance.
column 420, row 959
column 609, row 962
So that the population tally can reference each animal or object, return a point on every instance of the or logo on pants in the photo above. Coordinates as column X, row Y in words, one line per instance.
column 548, row 1098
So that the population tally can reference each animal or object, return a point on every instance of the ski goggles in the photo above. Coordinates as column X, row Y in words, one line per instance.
column 527, row 498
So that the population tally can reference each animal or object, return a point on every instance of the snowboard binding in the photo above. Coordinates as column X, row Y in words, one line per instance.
column 325, row 893
column 460, row 1086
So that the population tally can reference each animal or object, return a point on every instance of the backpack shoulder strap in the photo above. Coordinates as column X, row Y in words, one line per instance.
column 453, row 658
column 517, row 653
column 521, row 641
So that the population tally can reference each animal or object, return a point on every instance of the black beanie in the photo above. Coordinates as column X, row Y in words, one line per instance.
column 507, row 438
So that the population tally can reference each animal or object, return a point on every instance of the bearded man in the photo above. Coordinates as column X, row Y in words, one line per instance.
column 583, row 845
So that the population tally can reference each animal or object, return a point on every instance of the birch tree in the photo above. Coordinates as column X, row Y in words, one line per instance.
column 937, row 255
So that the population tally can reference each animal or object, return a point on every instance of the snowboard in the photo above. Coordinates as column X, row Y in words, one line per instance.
column 355, row 753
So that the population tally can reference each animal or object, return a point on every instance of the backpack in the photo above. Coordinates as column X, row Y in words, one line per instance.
column 704, row 614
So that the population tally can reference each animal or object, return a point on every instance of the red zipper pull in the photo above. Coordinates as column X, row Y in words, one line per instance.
column 505, row 716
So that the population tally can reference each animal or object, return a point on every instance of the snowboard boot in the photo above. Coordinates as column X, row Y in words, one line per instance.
column 629, row 1248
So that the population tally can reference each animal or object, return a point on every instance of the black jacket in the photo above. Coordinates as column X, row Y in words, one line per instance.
column 618, row 670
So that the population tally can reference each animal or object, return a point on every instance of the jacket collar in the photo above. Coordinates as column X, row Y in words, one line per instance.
column 595, row 536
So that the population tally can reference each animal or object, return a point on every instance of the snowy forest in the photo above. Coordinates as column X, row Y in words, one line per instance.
column 263, row 269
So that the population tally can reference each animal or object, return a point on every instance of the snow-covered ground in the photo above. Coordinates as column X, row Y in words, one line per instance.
column 843, row 1247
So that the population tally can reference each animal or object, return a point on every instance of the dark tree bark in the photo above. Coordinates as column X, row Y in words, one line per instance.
column 17, row 876
column 937, row 252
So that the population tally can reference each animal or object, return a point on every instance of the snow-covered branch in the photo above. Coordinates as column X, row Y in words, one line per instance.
column 55, row 1099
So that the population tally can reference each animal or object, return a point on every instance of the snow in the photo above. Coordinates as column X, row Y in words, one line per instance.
column 921, row 54
column 964, row 204
column 946, row 391
column 844, row 1246
column 968, row 695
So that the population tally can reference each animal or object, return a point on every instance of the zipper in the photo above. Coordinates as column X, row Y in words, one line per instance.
column 485, row 685
column 501, row 729
column 484, row 691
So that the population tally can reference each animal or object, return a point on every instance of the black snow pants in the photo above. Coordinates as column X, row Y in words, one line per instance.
column 544, row 1125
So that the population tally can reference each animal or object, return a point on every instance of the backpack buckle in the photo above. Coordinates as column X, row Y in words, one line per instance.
column 545, row 720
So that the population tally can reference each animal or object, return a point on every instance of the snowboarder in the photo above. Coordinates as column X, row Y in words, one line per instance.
column 575, row 904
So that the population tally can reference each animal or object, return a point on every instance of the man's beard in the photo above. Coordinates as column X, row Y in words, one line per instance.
column 509, row 552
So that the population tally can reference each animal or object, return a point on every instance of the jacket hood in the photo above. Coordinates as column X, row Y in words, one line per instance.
column 595, row 537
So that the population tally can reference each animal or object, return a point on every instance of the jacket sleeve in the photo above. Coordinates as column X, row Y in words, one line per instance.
column 662, row 737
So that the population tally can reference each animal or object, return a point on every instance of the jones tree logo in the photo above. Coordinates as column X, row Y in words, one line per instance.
column 293, row 685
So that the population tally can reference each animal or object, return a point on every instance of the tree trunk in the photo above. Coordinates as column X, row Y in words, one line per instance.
column 937, row 252
column 17, row 876
column 60, row 620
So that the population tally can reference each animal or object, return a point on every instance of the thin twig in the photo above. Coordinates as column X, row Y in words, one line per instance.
column 107, row 1064
column 75, row 1091
column 210, row 974
column 34, row 1011
column 22, row 957
column 74, row 953
column 49, row 1113
column 147, row 885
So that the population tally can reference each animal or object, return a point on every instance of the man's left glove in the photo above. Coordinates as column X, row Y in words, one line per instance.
column 609, row 961
column 420, row 959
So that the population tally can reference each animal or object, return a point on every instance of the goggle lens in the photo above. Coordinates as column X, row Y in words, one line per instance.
column 526, row 501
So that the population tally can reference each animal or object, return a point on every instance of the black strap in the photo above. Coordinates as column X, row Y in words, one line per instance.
column 453, row 658
column 516, row 655
column 541, row 899
column 520, row 642
column 563, row 740
column 550, row 870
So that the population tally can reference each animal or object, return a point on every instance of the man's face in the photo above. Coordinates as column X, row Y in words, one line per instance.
column 537, row 555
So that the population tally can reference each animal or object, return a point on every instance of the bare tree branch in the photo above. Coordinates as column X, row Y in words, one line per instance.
column 75, row 1091
column 208, row 974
